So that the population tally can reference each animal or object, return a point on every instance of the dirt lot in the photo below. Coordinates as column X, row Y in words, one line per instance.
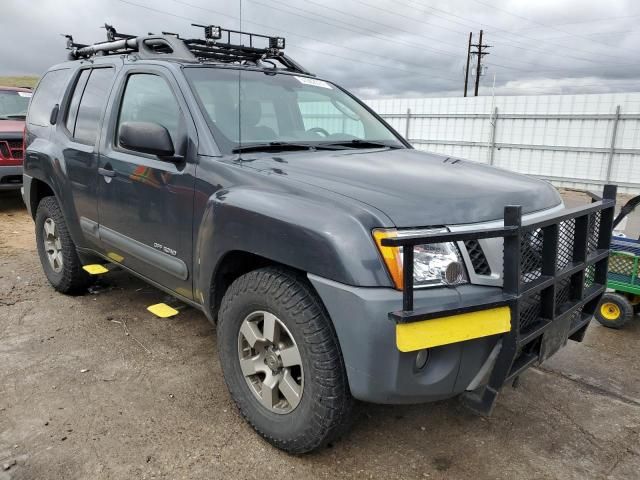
column 81, row 399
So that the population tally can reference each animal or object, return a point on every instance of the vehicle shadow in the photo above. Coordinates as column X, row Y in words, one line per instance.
column 11, row 201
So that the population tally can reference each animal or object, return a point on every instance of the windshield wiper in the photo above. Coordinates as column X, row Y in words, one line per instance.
column 283, row 146
column 13, row 115
column 360, row 144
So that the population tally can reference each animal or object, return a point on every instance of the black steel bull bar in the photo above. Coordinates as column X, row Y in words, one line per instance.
column 554, row 273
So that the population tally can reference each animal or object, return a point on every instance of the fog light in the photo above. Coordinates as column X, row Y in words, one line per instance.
column 421, row 359
column 455, row 274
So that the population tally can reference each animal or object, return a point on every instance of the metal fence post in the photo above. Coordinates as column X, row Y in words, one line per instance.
column 612, row 149
column 492, row 141
column 406, row 128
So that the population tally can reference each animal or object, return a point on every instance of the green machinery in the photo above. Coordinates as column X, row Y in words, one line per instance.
column 622, row 299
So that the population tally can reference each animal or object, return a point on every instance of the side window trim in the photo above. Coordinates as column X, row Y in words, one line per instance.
column 73, row 114
column 104, row 107
column 117, row 108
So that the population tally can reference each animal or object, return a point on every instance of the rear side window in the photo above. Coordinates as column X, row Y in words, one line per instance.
column 48, row 94
column 72, row 111
column 92, row 104
column 148, row 98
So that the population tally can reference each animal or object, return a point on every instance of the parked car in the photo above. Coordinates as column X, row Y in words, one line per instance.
column 13, row 110
column 336, row 261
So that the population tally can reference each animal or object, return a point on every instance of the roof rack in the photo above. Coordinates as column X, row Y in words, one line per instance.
column 219, row 45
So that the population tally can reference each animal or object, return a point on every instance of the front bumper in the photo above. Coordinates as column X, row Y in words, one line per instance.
column 554, row 275
column 378, row 371
column 10, row 177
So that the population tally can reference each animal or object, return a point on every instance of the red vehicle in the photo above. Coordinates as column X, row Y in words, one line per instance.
column 13, row 111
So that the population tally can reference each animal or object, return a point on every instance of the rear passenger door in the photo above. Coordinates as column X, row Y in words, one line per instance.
column 146, row 202
column 78, row 131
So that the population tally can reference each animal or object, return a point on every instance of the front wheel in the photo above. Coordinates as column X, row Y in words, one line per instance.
column 614, row 311
column 281, row 360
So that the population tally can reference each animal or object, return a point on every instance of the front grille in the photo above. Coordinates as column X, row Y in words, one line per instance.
column 11, row 149
column 478, row 258
column 531, row 255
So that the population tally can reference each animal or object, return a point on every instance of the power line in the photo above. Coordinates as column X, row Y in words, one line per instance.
column 386, row 25
column 540, row 23
column 350, row 59
column 313, row 16
column 368, row 53
column 599, row 20
column 495, row 29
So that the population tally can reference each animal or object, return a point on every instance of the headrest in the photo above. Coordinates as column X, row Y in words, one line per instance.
column 251, row 112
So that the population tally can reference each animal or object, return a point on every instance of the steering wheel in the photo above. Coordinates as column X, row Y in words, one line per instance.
column 319, row 130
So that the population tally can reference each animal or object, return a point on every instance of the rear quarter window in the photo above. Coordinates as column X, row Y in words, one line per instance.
column 49, row 92
column 92, row 103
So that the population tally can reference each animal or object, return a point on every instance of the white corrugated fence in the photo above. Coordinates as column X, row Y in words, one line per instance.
column 580, row 141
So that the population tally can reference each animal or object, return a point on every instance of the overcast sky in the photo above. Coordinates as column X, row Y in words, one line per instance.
column 373, row 47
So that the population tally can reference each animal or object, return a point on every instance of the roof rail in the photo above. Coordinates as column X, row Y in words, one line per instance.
column 210, row 49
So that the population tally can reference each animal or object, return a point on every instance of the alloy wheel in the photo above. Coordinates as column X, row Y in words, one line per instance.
column 270, row 362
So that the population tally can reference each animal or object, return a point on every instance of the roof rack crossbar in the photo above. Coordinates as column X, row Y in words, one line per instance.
column 211, row 48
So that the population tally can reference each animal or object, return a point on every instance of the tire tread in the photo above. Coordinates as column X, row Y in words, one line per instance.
column 332, row 408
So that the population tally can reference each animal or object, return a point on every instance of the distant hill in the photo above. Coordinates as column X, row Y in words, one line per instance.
column 25, row 81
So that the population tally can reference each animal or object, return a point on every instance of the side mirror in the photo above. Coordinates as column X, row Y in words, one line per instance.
column 146, row 137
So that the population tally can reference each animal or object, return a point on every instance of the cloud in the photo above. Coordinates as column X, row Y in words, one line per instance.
column 373, row 47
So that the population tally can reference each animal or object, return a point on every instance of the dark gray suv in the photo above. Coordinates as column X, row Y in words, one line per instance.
column 337, row 261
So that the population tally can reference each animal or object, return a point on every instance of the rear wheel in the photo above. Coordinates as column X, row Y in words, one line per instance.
column 282, row 361
column 614, row 310
column 57, row 251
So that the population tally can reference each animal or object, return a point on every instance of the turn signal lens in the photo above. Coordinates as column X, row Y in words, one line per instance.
column 392, row 256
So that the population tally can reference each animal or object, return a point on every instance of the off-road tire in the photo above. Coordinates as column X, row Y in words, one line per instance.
column 325, row 405
column 618, row 315
column 72, row 279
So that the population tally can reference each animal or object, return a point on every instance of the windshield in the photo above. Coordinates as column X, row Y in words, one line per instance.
column 13, row 104
column 283, row 109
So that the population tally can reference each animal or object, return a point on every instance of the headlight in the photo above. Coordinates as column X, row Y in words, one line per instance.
column 433, row 264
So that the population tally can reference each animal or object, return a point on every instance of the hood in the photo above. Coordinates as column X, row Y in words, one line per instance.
column 11, row 126
column 414, row 188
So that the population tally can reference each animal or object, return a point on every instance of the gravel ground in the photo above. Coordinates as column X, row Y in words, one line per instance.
column 95, row 387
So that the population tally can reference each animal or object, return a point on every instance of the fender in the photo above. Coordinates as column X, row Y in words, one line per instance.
column 45, row 162
column 328, row 238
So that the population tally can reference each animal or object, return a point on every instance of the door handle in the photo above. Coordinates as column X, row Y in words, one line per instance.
column 106, row 172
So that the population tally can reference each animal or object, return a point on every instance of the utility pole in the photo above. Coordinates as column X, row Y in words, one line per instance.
column 479, row 53
column 466, row 73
